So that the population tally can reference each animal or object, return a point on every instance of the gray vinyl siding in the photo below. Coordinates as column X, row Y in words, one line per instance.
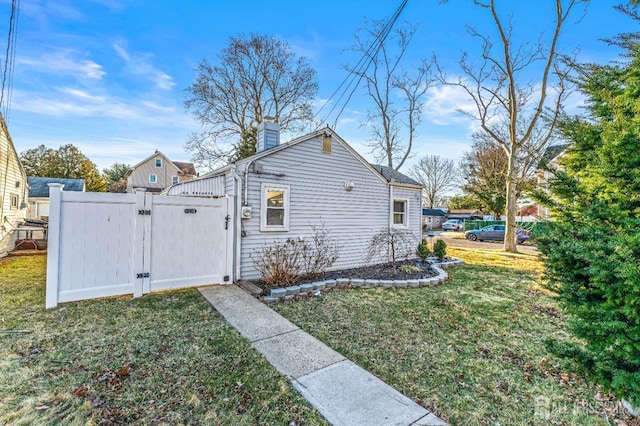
column 317, row 195
column 13, row 176
column 414, row 197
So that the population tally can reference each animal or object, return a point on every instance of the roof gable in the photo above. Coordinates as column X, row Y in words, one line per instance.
column 39, row 186
column 5, row 129
column 181, row 167
column 295, row 142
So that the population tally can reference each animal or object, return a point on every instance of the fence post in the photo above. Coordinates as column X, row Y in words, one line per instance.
column 53, row 245
column 138, row 244
column 229, row 247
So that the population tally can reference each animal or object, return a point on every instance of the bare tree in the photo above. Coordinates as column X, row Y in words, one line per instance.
column 253, row 77
column 437, row 175
column 397, row 93
column 508, row 110
column 392, row 244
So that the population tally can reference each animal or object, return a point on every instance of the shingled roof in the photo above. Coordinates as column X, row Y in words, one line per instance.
column 38, row 186
column 185, row 168
column 390, row 174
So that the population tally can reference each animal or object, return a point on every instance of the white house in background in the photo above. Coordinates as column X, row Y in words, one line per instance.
column 157, row 172
column 317, row 179
column 39, row 193
column 13, row 190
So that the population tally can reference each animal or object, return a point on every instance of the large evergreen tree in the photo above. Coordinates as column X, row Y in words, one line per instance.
column 592, row 246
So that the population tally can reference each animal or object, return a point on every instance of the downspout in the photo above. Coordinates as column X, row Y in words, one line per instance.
column 391, row 204
column 238, row 222
column 246, row 182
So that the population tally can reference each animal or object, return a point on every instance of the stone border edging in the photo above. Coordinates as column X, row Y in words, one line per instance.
column 315, row 289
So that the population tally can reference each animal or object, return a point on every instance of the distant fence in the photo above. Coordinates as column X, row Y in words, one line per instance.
column 532, row 227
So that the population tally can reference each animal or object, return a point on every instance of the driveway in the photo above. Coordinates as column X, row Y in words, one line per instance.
column 456, row 239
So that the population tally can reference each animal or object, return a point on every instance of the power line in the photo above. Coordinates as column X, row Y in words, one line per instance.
column 353, row 79
column 9, row 61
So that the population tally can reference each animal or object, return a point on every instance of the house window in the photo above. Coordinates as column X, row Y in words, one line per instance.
column 174, row 180
column 153, row 178
column 158, row 162
column 400, row 212
column 14, row 202
column 274, row 214
column 326, row 144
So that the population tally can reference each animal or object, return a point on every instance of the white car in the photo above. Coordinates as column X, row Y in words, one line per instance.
column 453, row 225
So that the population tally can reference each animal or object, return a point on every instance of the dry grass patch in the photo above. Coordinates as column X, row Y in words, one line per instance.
column 472, row 350
column 167, row 358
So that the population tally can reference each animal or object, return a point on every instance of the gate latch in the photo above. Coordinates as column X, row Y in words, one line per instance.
column 226, row 221
column 192, row 211
column 144, row 212
column 142, row 275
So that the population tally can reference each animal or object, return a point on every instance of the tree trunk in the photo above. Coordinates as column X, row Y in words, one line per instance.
column 510, row 243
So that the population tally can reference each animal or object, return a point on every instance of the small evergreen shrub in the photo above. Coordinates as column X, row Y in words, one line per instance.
column 423, row 250
column 440, row 249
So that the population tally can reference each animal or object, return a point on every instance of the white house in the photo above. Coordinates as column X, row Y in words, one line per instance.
column 13, row 190
column 314, row 180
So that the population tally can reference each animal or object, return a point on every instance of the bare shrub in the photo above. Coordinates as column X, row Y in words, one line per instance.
column 278, row 262
column 391, row 244
column 318, row 254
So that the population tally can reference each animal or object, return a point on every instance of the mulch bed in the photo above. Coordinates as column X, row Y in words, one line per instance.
column 382, row 271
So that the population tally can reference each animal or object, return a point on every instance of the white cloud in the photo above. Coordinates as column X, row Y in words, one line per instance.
column 64, row 62
column 69, row 102
column 140, row 65
column 445, row 103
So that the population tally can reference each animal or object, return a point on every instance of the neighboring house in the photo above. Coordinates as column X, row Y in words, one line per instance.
column 433, row 218
column 318, row 180
column 39, row 193
column 466, row 214
column 553, row 155
column 157, row 172
column 13, row 190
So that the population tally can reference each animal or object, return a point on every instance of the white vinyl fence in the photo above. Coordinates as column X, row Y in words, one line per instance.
column 104, row 244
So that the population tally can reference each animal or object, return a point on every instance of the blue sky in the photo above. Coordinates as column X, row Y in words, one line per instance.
column 109, row 75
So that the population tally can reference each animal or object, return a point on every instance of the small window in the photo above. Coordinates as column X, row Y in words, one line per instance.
column 400, row 212
column 326, row 144
column 153, row 178
column 274, row 215
column 174, row 180
column 14, row 202
column 158, row 162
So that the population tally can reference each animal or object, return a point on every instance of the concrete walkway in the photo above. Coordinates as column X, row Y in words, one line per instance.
column 344, row 393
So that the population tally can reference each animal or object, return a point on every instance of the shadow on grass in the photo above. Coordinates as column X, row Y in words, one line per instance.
column 471, row 349
column 167, row 358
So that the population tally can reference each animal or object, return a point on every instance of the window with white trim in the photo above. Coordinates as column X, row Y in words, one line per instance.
column 153, row 178
column 274, row 212
column 174, row 180
column 400, row 210
column 158, row 162
column 14, row 201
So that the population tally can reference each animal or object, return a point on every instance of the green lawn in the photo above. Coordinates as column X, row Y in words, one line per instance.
column 167, row 358
column 471, row 350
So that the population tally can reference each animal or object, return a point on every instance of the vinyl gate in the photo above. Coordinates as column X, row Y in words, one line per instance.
column 113, row 244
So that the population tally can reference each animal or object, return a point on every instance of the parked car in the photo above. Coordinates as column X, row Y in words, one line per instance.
column 495, row 233
column 453, row 225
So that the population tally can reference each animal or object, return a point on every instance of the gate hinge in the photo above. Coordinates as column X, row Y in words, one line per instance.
column 142, row 275
column 144, row 212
